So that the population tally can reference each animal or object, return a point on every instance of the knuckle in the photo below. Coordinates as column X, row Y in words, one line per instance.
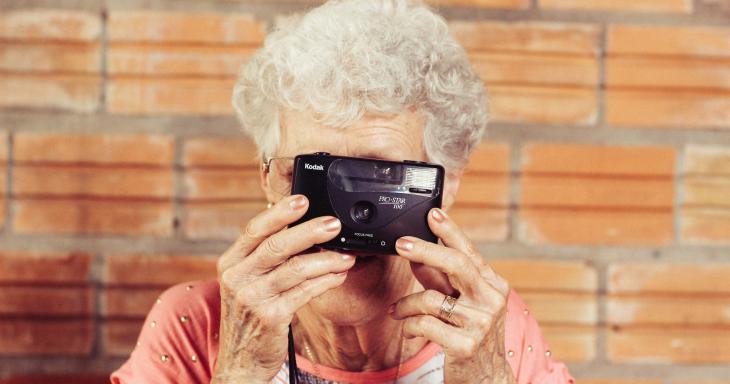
column 469, row 347
column 296, row 266
column 250, row 230
column 461, row 263
column 273, row 246
column 483, row 322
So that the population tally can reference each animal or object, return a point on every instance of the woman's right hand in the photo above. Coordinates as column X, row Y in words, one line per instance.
column 264, row 281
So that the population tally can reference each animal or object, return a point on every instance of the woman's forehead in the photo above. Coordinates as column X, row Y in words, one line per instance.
column 397, row 137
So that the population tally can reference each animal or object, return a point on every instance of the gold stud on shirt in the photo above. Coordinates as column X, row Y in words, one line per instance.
column 153, row 324
column 510, row 353
column 189, row 287
column 184, row 319
column 548, row 353
column 194, row 358
column 527, row 311
column 164, row 357
column 529, row 348
column 159, row 300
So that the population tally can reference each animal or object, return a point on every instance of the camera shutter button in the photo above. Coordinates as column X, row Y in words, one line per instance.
column 321, row 153
column 414, row 162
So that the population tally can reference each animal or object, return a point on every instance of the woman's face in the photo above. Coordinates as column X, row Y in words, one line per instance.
column 375, row 281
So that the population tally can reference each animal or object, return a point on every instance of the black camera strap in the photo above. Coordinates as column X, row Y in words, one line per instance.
column 292, row 359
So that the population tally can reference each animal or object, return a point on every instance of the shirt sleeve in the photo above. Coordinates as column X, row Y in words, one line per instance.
column 173, row 343
column 528, row 354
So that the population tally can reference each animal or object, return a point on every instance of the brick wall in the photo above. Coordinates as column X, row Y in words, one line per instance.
column 602, row 192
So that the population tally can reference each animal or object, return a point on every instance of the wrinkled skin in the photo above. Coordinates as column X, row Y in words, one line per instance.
column 356, row 313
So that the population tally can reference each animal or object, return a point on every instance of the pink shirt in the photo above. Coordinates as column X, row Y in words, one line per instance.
column 179, row 344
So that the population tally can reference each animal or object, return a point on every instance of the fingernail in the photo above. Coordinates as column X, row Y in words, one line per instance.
column 298, row 202
column 404, row 244
column 331, row 224
column 438, row 215
column 347, row 257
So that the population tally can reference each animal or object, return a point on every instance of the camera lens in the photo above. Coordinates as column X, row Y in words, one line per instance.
column 362, row 212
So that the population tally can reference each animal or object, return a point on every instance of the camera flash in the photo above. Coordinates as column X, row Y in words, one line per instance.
column 420, row 178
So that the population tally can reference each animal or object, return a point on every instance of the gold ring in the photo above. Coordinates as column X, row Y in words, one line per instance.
column 447, row 307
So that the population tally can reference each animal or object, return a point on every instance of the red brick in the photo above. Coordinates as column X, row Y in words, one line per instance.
column 178, row 60
column 668, row 310
column 674, row 74
column 571, row 344
column 582, row 192
column 222, row 221
column 3, row 177
column 120, row 149
column 707, row 160
column 29, row 267
column 664, row 345
column 481, row 223
column 705, row 214
column 694, row 381
column 572, row 38
column 586, row 194
column 51, row 58
column 223, row 184
column 50, row 24
column 563, row 308
column 649, row 6
column 503, row 4
column 547, row 275
column 119, row 337
column 657, row 108
column 219, row 152
column 157, row 270
column 185, row 96
column 532, row 69
column 669, row 278
column 668, row 40
column 90, row 217
column 705, row 226
column 485, row 181
column 542, row 226
column 483, row 190
column 707, row 191
column 46, row 301
column 36, row 181
column 592, row 160
column 490, row 157
column 701, row 382
column 126, row 302
column 555, row 105
column 41, row 337
column 185, row 27
column 64, row 92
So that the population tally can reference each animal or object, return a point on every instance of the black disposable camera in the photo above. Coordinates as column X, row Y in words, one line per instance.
column 377, row 201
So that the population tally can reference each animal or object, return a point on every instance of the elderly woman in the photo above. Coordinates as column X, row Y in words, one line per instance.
column 379, row 79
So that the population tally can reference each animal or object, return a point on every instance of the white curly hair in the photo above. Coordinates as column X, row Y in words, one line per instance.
column 351, row 57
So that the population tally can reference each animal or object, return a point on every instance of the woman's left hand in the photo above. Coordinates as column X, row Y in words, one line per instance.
column 472, row 336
